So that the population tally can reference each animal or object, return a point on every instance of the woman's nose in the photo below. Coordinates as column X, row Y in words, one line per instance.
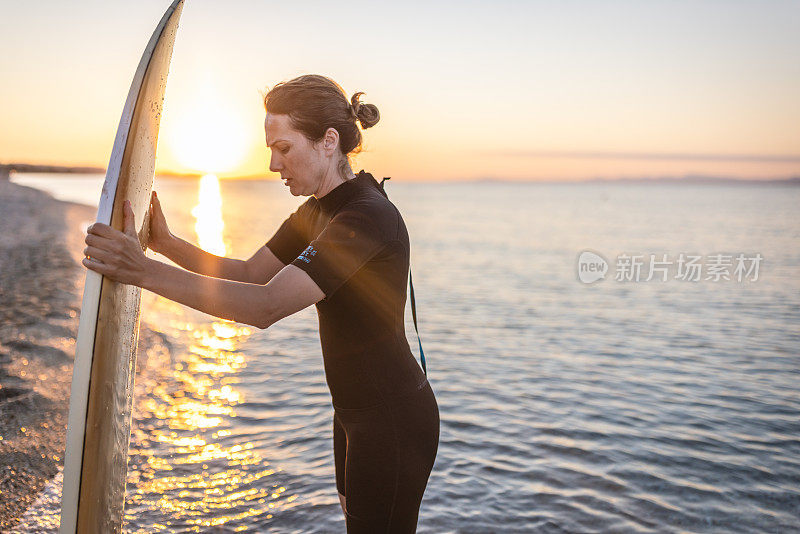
column 274, row 166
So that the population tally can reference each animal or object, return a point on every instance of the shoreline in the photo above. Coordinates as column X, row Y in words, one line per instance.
column 41, row 287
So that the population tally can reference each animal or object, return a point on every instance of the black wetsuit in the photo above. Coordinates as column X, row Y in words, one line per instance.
column 353, row 243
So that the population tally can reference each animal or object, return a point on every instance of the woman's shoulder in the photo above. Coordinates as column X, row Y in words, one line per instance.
column 377, row 211
column 308, row 208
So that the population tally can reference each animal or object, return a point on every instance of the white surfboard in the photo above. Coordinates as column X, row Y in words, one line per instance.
column 98, row 428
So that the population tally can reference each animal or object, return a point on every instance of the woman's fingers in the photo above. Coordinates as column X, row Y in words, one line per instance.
column 157, row 207
column 103, row 230
column 159, row 230
column 96, row 266
column 100, row 242
column 115, row 254
column 99, row 254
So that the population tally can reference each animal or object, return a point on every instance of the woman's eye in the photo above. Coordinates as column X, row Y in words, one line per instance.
column 284, row 150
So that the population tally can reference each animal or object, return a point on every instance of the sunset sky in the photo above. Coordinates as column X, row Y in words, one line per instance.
column 467, row 90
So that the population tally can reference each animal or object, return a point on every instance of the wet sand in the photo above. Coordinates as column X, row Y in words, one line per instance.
column 41, row 286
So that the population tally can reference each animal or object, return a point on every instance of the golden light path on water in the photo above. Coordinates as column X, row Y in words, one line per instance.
column 192, row 474
column 208, row 213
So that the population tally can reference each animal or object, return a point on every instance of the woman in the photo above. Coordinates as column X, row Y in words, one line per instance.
column 346, row 250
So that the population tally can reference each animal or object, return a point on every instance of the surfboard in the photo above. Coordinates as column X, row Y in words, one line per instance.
column 101, row 399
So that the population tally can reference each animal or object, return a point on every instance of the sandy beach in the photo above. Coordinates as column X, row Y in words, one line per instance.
column 41, row 286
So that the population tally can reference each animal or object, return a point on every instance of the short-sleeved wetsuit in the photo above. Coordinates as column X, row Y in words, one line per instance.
column 354, row 244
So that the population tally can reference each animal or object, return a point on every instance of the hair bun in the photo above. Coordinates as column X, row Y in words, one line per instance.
column 367, row 114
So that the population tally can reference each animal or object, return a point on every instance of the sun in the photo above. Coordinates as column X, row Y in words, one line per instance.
column 205, row 133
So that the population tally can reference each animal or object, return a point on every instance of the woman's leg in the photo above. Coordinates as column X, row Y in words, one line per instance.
column 417, row 421
column 339, row 458
column 390, row 451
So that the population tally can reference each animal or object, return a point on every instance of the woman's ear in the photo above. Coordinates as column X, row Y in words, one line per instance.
column 330, row 142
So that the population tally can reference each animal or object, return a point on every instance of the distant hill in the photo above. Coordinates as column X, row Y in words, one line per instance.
column 5, row 168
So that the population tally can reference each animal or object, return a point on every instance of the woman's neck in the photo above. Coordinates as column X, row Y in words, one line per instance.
column 333, row 178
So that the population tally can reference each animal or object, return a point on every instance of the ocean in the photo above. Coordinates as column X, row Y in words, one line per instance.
column 578, row 391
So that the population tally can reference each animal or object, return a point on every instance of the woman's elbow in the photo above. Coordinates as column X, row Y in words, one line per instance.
column 263, row 323
column 266, row 319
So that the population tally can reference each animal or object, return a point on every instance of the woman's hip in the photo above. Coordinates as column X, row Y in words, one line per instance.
column 403, row 420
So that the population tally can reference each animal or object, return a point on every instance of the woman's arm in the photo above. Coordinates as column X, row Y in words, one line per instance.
column 259, row 269
column 199, row 261
column 261, row 306
column 119, row 256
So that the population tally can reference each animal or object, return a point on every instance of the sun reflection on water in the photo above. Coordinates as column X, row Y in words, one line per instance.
column 208, row 213
column 186, row 462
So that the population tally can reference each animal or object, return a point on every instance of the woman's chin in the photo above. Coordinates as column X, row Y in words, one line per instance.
column 291, row 186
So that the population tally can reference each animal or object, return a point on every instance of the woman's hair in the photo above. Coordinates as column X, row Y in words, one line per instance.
column 315, row 103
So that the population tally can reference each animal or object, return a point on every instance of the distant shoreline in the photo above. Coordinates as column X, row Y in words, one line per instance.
column 6, row 169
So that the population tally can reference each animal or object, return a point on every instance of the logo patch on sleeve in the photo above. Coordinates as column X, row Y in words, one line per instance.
column 307, row 254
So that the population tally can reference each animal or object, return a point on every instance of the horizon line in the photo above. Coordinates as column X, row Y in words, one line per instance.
column 658, row 156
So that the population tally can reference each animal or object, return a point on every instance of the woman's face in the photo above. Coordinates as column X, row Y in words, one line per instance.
column 301, row 163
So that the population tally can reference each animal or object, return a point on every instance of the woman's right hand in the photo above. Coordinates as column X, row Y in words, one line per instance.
column 160, row 236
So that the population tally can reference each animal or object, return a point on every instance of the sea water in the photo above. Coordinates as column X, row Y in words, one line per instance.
column 620, row 405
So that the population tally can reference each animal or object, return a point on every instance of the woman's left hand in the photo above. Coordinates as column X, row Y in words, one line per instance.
column 117, row 255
